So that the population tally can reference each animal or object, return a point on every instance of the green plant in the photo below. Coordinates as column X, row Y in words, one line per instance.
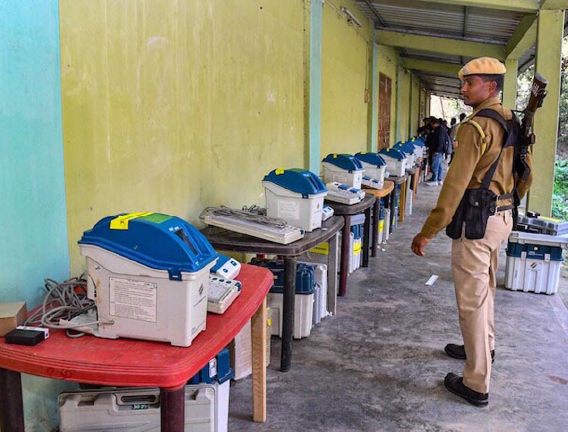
column 560, row 191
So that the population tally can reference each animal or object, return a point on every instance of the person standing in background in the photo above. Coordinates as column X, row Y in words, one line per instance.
column 435, row 143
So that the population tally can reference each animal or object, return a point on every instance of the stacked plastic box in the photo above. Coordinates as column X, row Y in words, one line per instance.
column 355, row 241
column 240, row 349
column 382, row 230
column 304, row 299
column 320, row 292
column 533, row 262
column 393, row 220
column 357, row 223
column 138, row 409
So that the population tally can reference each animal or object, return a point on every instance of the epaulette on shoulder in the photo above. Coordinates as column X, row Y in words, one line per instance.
column 481, row 133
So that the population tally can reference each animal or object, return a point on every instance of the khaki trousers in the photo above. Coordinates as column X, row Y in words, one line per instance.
column 474, row 264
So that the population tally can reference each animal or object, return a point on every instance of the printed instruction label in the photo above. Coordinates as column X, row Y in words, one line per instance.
column 288, row 209
column 133, row 299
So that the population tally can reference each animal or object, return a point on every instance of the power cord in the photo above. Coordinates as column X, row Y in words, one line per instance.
column 64, row 301
column 254, row 209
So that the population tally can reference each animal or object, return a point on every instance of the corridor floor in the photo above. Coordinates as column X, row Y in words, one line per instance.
column 378, row 365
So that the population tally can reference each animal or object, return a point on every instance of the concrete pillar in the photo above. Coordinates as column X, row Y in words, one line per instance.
column 398, row 101
column 313, row 21
column 373, row 109
column 548, row 58
column 510, row 84
column 411, row 106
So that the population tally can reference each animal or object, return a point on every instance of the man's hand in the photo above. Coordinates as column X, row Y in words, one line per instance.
column 419, row 243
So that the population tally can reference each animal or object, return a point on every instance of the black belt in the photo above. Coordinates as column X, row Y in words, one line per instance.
column 505, row 207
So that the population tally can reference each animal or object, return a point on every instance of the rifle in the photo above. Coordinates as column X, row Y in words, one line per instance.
column 538, row 93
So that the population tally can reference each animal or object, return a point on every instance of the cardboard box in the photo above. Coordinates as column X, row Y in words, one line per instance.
column 11, row 316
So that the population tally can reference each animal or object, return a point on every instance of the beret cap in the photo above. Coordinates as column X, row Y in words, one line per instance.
column 482, row 66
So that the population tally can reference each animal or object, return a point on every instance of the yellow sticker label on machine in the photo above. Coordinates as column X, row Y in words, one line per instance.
column 121, row 222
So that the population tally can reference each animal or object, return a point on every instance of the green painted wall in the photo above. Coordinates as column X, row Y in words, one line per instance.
column 387, row 64
column 33, row 223
column 172, row 107
column 346, row 52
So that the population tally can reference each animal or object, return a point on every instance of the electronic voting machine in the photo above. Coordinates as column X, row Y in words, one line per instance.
column 149, row 276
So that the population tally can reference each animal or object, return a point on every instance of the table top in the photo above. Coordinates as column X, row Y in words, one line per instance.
column 348, row 210
column 226, row 240
column 388, row 186
column 412, row 170
column 398, row 180
column 129, row 362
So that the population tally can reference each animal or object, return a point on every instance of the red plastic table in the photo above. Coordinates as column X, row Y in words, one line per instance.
column 129, row 362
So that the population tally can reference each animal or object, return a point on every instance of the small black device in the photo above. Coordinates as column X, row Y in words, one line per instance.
column 24, row 337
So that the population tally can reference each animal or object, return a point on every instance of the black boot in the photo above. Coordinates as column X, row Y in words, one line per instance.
column 456, row 386
column 458, row 352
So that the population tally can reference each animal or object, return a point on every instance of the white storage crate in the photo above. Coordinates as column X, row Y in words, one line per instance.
column 136, row 409
column 533, row 262
column 149, row 277
column 320, row 291
column 295, row 195
column 240, row 348
column 342, row 168
column 387, row 226
column 303, row 314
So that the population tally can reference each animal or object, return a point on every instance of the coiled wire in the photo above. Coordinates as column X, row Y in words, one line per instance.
column 65, row 300
column 245, row 215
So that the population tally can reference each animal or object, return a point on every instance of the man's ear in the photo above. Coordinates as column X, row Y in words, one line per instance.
column 492, row 86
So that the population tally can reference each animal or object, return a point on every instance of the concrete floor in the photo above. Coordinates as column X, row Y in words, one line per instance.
column 379, row 364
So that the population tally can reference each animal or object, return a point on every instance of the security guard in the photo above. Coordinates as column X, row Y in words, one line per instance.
column 481, row 167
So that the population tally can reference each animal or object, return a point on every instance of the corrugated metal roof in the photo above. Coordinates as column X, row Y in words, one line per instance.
column 426, row 55
column 446, row 20
column 495, row 26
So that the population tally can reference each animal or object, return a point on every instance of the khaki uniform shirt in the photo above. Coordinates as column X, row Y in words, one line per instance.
column 472, row 160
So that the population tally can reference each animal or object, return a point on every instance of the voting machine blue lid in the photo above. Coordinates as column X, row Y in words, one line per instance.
column 419, row 141
column 297, row 180
column 371, row 158
column 404, row 148
column 155, row 240
column 393, row 153
column 346, row 162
